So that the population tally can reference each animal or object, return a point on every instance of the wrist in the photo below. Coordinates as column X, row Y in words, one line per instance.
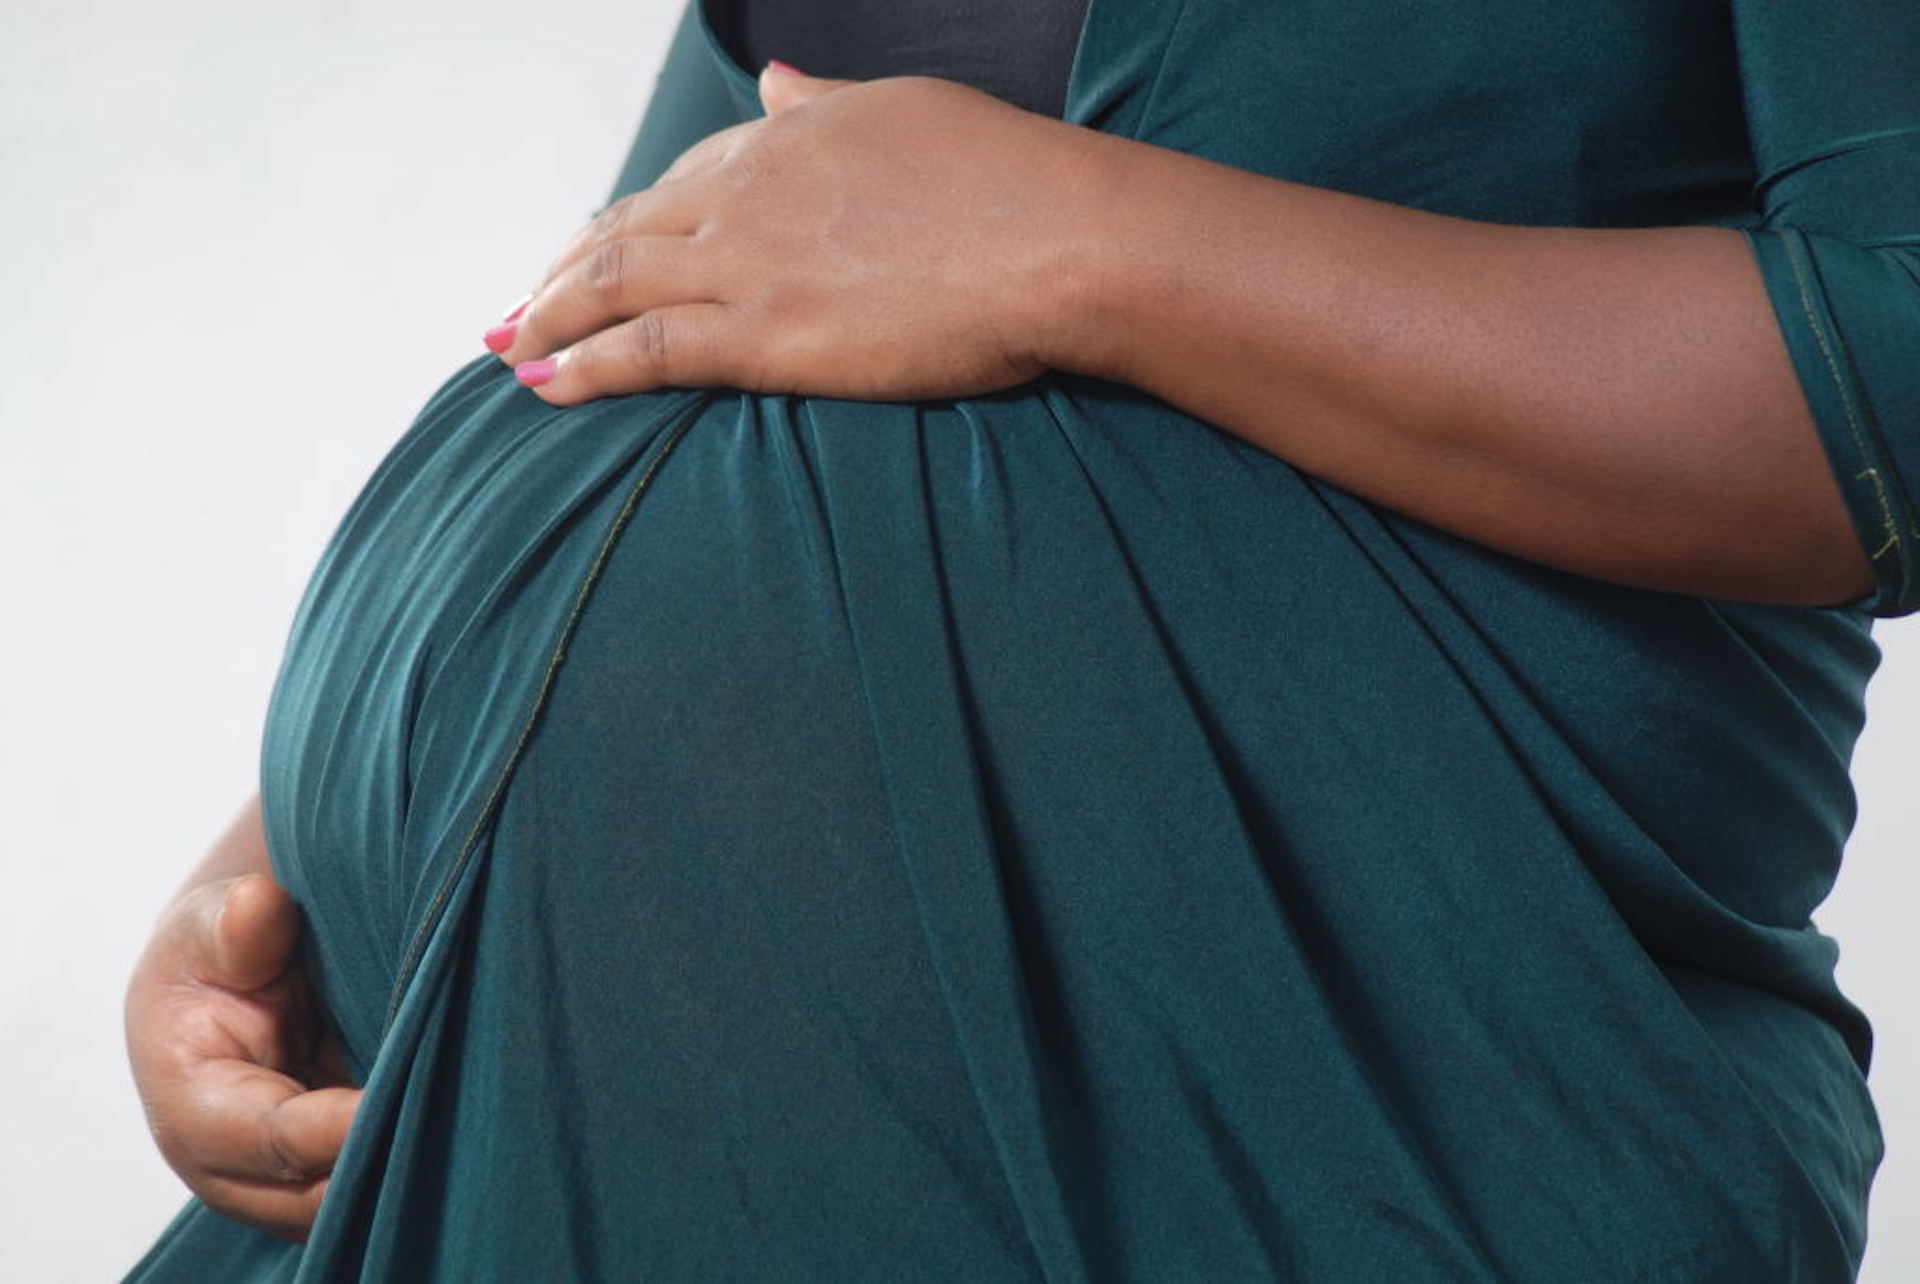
column 1069, row 295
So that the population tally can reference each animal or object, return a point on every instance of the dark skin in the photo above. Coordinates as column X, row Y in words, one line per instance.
column 1615, row 403
column 245, row 1094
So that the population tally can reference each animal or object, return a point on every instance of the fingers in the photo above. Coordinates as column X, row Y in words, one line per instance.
column 618, row 280
column 640, row 253
column 253, row 1144
column 688, row 345
column 783, row 87
column 300, row 1138
column 250, row 1123
column 217, row 1009
column 665, row 209
column 251, row 935
column 708, row 152
column 283, row 1209
column 235, row 934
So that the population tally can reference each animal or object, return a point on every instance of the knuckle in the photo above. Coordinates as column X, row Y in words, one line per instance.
column 647, row 343
column 760, row 167
column 276, row 1158
column 696, row 158
column 620, row 210
column 605, row 268
column 606, row 224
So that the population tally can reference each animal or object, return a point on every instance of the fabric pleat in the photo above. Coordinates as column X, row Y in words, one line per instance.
column 1041, row 837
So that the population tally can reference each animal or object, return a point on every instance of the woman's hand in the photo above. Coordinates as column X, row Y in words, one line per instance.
column 1517, row 386
column 897, row 239
column 248, row 1100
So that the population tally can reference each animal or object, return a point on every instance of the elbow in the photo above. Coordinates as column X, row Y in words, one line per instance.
column 1831, row 571
column 1811, row 558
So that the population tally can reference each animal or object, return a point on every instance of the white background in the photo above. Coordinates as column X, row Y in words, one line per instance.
column 239, row 245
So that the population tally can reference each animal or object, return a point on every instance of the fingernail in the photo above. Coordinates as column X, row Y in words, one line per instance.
column 785, row 68
column 500, row 338
column 518, row 308
column 535, row 373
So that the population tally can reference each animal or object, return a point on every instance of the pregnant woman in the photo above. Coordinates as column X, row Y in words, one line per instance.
column 1218, row 641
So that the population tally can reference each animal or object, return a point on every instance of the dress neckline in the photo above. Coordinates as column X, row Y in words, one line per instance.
column 1109, row 77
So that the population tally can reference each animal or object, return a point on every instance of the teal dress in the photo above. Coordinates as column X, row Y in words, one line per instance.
column 1040, row 837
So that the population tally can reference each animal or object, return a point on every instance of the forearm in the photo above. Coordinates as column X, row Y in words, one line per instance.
column 1612, row 402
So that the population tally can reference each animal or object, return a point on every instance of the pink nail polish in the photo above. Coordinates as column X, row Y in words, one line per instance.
column 500, row 338
column 535, row 373
column 786, row 68
column 518, row 308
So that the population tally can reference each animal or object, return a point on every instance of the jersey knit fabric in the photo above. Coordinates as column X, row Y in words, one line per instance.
column 1041, row 837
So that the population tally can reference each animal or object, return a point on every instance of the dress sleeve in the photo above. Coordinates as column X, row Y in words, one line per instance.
column 1833, row 109
column 690, row 100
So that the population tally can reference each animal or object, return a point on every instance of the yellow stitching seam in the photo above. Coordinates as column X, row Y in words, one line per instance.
column 417, row 951
column 1888, row 524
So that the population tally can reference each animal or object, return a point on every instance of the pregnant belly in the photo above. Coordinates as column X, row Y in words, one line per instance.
column 1041, row 826
column 434, row 623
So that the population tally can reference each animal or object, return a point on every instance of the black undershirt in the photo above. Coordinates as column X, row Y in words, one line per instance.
column 1017, row 50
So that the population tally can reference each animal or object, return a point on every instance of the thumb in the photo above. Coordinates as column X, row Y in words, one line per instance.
column 782, row 86
column 250, row 932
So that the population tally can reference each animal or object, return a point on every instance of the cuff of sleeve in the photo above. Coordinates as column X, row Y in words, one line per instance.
column 1796, row 278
